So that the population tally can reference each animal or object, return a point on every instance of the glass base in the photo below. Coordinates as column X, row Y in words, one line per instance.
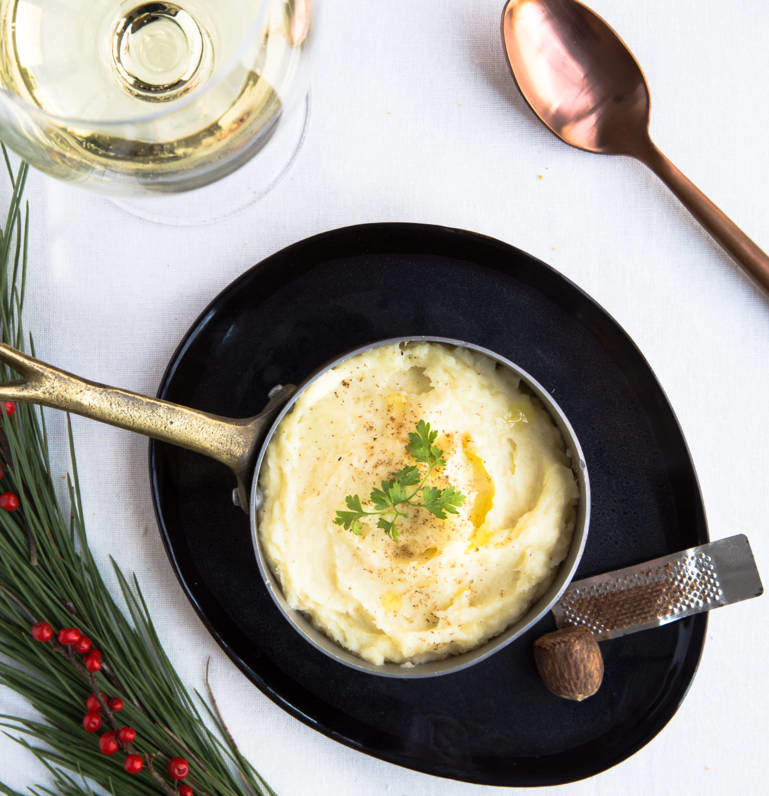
column 234, row 192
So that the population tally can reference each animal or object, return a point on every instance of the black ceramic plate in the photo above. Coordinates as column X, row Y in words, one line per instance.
column 493, row 723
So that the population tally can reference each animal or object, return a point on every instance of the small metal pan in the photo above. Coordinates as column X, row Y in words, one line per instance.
column 240, row 444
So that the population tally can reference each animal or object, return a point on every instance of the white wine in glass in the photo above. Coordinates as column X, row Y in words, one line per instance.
column 161, row 97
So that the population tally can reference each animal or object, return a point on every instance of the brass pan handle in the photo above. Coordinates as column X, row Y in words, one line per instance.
column 232, row 442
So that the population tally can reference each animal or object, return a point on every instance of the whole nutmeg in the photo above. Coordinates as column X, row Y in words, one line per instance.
column 570, row 663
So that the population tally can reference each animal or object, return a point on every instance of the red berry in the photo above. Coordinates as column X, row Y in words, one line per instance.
column 126, row 735
column 116, row 704
column 10, row 408
column 133, row 764
column 42, row 631
column 185, row 790
column 108, row 743
column 93, row 661
column 92, row 703
column 92, row 721
column 83, row 645
column 9, row 501
column 69, row 635
column 178, row 768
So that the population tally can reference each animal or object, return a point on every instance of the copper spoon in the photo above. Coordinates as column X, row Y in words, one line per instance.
column 581, row 80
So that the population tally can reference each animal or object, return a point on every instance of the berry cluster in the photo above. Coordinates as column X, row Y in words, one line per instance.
column 70, row 638
column 8, row 500
column 110, row 742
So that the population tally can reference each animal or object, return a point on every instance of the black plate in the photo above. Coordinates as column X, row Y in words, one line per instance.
column 493, row 723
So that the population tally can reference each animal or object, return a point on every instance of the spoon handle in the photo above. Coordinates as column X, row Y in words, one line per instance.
column 716, row 222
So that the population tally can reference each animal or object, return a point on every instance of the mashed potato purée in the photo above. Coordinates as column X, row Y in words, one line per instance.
column 447, row 585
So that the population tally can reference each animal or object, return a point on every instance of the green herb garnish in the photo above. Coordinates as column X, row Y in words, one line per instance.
column 395, row 492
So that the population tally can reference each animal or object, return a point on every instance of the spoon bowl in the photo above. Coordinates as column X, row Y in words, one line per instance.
column 584, row 84
column 577, row 75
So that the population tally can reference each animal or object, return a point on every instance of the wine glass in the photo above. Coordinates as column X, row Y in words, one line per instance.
column 146, row 100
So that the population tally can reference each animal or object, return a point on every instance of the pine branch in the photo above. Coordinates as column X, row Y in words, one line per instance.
column 47, row 573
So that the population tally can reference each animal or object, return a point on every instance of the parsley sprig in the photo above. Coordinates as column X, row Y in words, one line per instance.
column 394, row 494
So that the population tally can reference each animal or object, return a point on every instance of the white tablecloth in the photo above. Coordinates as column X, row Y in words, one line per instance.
column 415, row 118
